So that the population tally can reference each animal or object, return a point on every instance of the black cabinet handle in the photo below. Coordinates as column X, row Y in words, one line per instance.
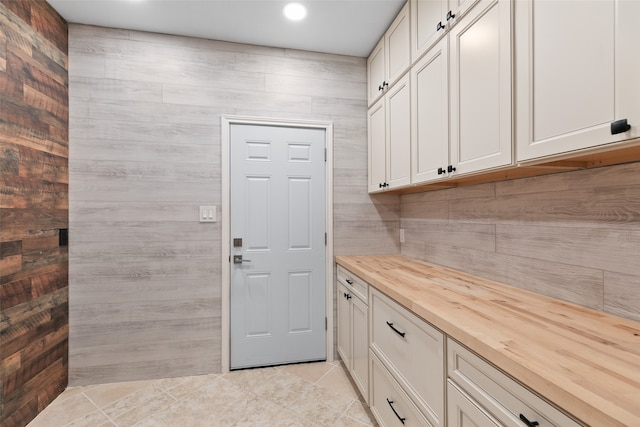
column 349, row 281
column 390, row 402
column 348, row 296
column 402, row 334
column 450, row 15
column 441, row 171
column 383, row 85
column 380, row 185
column 527, row 422
column 450, row 169
column 440, row 26
column 619, row 126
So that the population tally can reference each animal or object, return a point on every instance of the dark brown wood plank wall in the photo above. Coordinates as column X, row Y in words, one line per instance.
column 34, row 143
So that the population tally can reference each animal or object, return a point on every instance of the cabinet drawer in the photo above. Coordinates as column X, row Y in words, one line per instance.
column 358, row 286
column 500, row 395
column 390, row 405
column 412, row 350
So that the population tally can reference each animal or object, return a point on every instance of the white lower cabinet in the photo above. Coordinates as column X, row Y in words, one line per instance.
column 412, row 374
column 412, row 350
column 353, row 328
column 506, row 400
column 389, row 403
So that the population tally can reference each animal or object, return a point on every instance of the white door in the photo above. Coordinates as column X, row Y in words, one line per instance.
column 278, row 230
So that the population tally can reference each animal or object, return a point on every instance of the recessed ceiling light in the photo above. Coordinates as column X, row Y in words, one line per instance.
column 295, row 11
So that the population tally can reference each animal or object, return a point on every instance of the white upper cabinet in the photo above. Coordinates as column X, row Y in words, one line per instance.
column 430, row 114
column 389, row 133
column 390, row 58
column 480, row 84
column 430, row 20
column 461, row 101
column 576, row 73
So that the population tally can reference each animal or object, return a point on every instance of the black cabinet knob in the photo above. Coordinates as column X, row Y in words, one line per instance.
column 441, row 171
column 450, row 15
column 619, row 126
column 450, row 169
column 439, row 26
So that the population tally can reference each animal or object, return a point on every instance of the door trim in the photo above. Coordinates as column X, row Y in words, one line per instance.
column 226, row 122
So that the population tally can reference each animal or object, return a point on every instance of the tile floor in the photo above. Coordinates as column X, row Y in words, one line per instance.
column 312, row 394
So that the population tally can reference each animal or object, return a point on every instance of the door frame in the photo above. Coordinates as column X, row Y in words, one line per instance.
column 225, row 210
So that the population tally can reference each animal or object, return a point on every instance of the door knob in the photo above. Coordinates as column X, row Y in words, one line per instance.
column 237, row 259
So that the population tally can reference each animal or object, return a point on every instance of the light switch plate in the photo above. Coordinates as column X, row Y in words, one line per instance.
column 208, row 214
column 402, row 235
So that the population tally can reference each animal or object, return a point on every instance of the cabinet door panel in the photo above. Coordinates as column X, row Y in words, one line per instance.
column 574, row 77
column 425, row 16
column 571, row 90
column 398, row 148
column 398, row 46
column 344, row 326
column 375, row 72
column 360, row 346
column 430, row 114
column 376, row 135
column 481, row 88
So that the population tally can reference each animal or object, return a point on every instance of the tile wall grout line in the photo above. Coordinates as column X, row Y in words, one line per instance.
column 100, row 409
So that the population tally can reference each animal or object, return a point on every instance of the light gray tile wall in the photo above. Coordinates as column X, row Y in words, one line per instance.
column 145, row 153
column 574, row 235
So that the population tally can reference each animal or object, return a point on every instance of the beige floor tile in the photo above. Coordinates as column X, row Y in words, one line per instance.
column 358, row 410
column 105, row 394
column 138, row 405
column 309, row 371
column 346, row 421
column 190, row 385
column 316, row 410
column 337, row 380
column 330, row 398
column 93, row 419
column 63, row 411
column 250, row 378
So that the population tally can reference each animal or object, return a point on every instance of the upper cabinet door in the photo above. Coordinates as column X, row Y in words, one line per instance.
column 376, row 73
column 480, row 58
column 398, row 147
column 576, row 73
column 376, row 135
column 430, row 20
column 397, row 43
column 391, row 57
column 430, row 115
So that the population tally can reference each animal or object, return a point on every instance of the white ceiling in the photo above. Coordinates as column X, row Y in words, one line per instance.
column 347, row 27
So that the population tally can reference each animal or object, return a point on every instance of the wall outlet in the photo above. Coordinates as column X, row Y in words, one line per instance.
column 402, row 235
column 208, row 214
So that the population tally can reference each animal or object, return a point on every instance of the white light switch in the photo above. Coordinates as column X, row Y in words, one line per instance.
column 208, row 214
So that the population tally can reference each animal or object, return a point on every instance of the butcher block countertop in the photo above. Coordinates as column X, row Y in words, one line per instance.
column 585, row 361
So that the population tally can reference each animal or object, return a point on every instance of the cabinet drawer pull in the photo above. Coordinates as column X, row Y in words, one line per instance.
column 349, row 281
column 390, row 402
column 527, row 422
column 402, row 334
column 450, row 15
column 440, row 26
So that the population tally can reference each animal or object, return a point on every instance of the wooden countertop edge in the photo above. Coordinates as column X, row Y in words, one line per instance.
column 589, row 406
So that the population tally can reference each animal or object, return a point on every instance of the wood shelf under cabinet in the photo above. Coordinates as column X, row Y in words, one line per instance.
column 608, row 155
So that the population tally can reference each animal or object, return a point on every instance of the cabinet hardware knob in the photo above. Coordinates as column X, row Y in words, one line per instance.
column 348, row 296
column 349, row 281
column 402, row 334
column 441, row 171
column 380, row 185
column 383, row 85
column 619, row 126
column 450, row 15
column 390, row 402
column 450, row 169
column 527, row 422
column 439, row 26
